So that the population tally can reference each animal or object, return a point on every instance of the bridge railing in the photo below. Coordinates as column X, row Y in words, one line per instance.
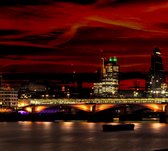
column 98, row 101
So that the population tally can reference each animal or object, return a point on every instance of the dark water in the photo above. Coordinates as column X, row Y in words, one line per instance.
column 80, row 136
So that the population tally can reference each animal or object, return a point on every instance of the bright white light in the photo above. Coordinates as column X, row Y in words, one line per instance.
column 163, row 92
column 158, row 53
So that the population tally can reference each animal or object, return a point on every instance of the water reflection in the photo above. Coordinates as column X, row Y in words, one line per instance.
column 156, row 126
column 67, row 126
column 90, row 126
column 25, row 126
column 137, row 126
column 77, row 136
column 25, row 123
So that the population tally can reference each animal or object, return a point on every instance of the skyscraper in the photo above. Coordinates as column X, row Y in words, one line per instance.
column 155, row 83
column 109, row 84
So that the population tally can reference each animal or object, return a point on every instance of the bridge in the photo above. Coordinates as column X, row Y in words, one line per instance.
column 99, row 101
column 95, row 104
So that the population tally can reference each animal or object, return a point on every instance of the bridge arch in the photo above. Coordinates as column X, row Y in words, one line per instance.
column 99, row 107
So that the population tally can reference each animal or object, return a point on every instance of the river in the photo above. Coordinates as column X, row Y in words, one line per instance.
column 80, row 136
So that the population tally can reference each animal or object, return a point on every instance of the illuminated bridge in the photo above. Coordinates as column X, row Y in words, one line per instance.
column 96, row 104
column 99, row 101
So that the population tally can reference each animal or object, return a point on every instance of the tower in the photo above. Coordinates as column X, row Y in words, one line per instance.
column 108, row 87
column 155, row 83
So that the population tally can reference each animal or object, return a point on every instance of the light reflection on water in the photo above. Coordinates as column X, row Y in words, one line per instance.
column 67, row 126
column 90, row 126
column 157, row 126
column 74, row 136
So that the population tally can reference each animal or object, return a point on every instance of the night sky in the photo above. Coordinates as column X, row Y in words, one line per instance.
column 54, row 36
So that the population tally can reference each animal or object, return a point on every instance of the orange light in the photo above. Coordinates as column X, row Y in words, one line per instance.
column 28, row 109
column 39, row 108
column 23, row 103
column 164, row 107
column 157, row 126
column 67, row 126
column 25, row 123
column 102, row 107
column 154, row 107
column 87, row 108
column 2, row 110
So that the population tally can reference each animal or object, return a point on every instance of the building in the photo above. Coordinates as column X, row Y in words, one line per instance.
column 8, row 96
column 109, row 84
column 156, row 80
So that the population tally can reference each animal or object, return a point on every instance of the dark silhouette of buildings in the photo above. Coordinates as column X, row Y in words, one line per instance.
column 156, row 80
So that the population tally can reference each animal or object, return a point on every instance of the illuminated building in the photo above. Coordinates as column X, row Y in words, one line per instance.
column 108, row 87
column 8, row 96
column 155, row 83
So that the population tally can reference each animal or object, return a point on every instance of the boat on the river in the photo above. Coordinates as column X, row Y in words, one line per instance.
column 118, row 127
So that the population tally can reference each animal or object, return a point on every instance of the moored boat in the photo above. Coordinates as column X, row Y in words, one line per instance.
column 118, row 127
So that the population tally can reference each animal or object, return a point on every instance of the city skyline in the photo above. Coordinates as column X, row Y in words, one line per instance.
column 52, row 36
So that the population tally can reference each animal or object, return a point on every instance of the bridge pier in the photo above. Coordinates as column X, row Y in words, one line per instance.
column 93, row 110
column 33, row 109
column 95, row 114
column 164, row 115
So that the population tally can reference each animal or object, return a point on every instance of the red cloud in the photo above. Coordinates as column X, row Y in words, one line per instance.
column 77, row 32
